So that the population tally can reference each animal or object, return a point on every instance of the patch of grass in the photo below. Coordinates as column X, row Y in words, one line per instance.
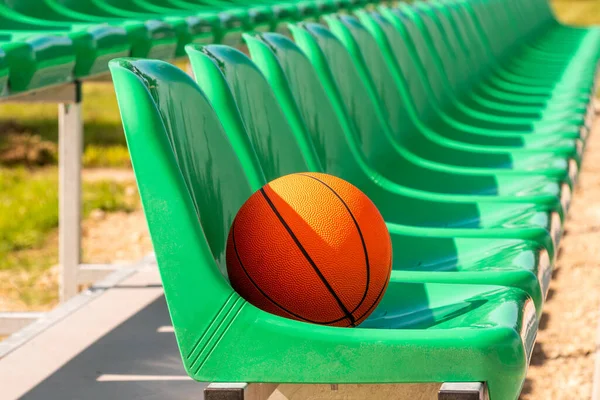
column 29, row 211
column 106, row 156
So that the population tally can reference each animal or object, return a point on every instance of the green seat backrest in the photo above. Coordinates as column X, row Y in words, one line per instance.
column 420, row 53
column 450, row 17
column 470, row 38
column 445, row 35
column 427, row 34
column 476, row 31
column 299, row 89
column 505, row 28
column 390, row 93
column 220, row 172
column 170, row 4
column 410, row 73
column 130, row 5
column 444, row 43
column 303, row 98
column 313, row 126
column 361, row 101
column 520, row 21
column 188, row 4
column 280, row 152
column 514, row 16
column 379, row 71
column 488, row 26
column 543, row 11
column 33, row 8
column 178, row 8
column 84, row 7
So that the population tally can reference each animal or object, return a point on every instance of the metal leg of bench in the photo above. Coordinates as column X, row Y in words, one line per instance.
column 239, row 391
column 70, row 139
column 463, row 391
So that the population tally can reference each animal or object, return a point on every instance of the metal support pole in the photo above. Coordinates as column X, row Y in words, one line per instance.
column 239, row 391
column 463, row 391
column 70, row 141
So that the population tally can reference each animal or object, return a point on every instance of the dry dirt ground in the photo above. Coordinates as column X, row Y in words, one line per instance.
column 101, row 230
column 562, row 365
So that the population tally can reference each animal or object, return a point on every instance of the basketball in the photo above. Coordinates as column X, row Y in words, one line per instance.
column 310, row 247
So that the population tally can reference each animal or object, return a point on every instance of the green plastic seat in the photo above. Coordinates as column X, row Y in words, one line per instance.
column 423, row 42
column 94, row 45
column 485, row 66
column 202, row 26
column 419, row 208
column 526, row 85
column 193, row 178
column 464, row 12
column 254, row 17
column 543, row 33
column 147, row 38
column 578, row 75
column 463, row 71
column 37, row 60
column 458, row 70
column 432, row 100
column 283, row 148
column 406, row 135
column 382, row 157
column 539, row 54
column 486, row 91
column 410, row 92
column 233, row 18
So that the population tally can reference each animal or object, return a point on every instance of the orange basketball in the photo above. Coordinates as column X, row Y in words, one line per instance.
column 310, row 247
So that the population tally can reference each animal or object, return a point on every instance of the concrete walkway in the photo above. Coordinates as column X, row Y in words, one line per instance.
column 119, row 345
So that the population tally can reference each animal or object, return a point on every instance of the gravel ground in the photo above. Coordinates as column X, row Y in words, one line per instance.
column 101, row 230
column 562, row 365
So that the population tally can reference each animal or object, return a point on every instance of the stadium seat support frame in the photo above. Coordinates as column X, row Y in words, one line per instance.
column 70, row 140
column 262, row 391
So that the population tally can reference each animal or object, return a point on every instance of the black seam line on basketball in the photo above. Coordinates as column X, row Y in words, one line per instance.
column 254, row 283
column 308, row 258
column 374, row 302
column 239, row 258
column 377, row 298
column 362, row 239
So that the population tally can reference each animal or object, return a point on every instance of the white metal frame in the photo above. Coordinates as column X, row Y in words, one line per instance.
column 70, row 142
